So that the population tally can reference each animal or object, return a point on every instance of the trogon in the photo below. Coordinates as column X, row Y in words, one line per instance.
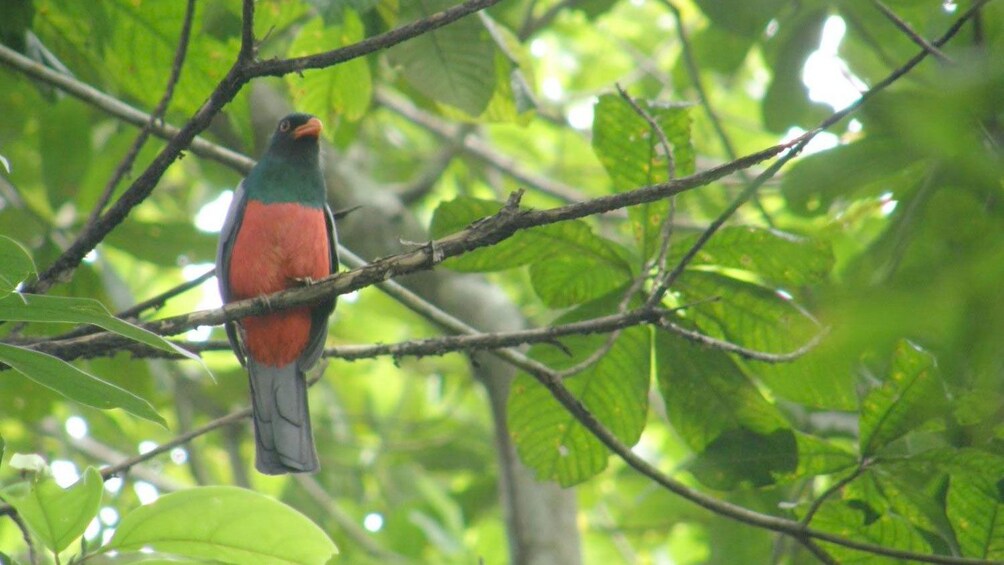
column 279, row 233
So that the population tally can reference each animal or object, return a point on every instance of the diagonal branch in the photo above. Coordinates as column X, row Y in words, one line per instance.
column 243, row 70
column 158, row 114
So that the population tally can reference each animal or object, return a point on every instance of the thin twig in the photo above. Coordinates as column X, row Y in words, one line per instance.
column 666, row 228
column 693, row 70
column 123, row 466
column 909, row 31
column 834, row 488
column 25, row 532
column 346, row 524
column 158, row 113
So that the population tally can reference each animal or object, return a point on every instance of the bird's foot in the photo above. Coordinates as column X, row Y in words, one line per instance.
column 303, row 281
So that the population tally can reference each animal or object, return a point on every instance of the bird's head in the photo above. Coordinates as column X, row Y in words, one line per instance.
column 296, row 137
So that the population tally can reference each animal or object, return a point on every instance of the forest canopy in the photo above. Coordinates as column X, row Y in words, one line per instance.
column 622, row 281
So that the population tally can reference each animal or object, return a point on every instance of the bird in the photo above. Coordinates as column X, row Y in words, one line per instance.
column 279, row 233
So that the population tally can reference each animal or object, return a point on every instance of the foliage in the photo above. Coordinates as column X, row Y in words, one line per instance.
column 882, row 240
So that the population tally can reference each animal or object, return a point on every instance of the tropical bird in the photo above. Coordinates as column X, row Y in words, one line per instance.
column 279, row 233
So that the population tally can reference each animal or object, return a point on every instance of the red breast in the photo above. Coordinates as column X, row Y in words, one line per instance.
column 277, row 244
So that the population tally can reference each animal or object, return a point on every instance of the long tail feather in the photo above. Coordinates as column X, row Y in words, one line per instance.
column 283, row 438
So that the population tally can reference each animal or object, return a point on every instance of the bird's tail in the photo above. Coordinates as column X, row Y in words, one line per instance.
column 283, row 439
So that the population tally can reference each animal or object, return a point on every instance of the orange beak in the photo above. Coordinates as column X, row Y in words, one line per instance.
column 312, row 128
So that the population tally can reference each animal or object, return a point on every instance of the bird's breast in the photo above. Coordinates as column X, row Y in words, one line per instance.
column 277, row 244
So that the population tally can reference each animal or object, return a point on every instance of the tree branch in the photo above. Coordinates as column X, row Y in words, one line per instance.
column 127, row 162
column 243, row 70
column 909, row 31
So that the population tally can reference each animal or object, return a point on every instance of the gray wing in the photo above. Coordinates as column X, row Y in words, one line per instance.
column 319, row 314
column 235, row 215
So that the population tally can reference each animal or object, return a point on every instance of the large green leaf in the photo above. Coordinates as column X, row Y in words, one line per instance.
column 817, row 456
column 777, row 258
column 911, row 394
column 454, row 65
column 227, row 524
column 706, row 394
column 513, row 99
column 342, row 91
column 56, row 515
column 761, row 319
column 63, row 309
column 75, row 384
column 975, row 504
column 15, row 265
column 870, row 166
column 851, row 519
column 569, row 264
column 740, row 456
column 548, row 438
column 632, row 154
column 738, row 435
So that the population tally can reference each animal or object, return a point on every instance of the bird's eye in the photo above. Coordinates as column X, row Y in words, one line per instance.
column 284, row 126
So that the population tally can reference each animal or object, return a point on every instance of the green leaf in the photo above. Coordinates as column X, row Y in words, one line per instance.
column 548, row 438
column 761, row 319
column 856, row 521
column 458, row 214
column 454, row 65
column 226, row 524
column 817, row 456
column 706, row 394
column 75, row 384
column 975, row 503
column 569, row 263
column 873, row 165
column 59, row 516
column 65, row 148
column 740, row 456
column 632, row 154
column 739, row 436
column 778, row 258
column 64, row 309
column 911, row 394
column 513, row 99
column 15, row 265
column 344, row 90
column 745, row 18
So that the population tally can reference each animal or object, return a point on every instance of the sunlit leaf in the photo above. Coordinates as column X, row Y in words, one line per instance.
column 15, row 264
column 850, row 520
column 569, row 263
column 454, row 65
column 62, row 309
column 975, row 503
column 763, row 320
column 780, row 259
column 223, row 523
column 74, row 383
column 59, row 516
column 910, row 396
column 548, row 438
column 633, row 155
column 342, row 91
